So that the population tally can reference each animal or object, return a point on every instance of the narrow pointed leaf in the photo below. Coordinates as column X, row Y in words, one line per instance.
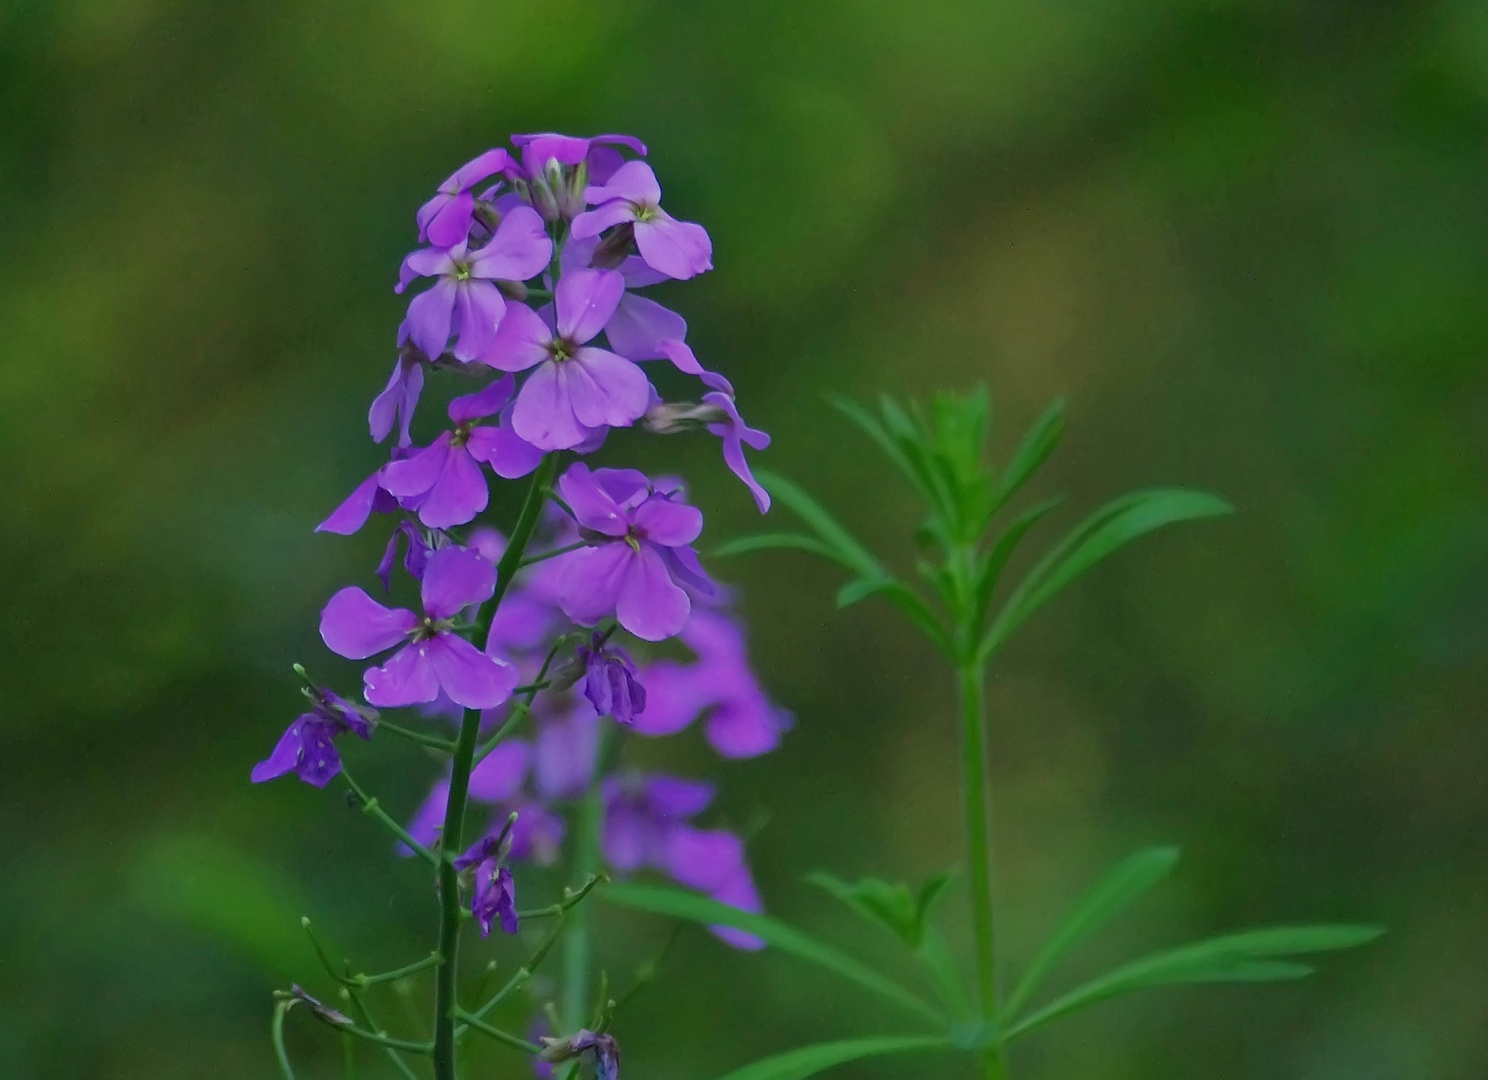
column 1107, row 898
column 882, row 439
column 901, row 596
column 765, row 541
column 1108, row 529
column 847, row 549
column 939, row 962
column 1037, row 445
column 810, row 1060
column 1248, row 956
column 1002, row 551
column 680, row 904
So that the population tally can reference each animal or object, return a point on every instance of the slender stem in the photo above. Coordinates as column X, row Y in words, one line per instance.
column 360, row 1003
column 576, row 944
column 571, row 897
column 546, row 555
column 431, row 741
column 514, row 1041
column 277, row 1030
column 979, row 851
column 522, row 974
column 446, row 1007
column 372, row 807
column 397, row 973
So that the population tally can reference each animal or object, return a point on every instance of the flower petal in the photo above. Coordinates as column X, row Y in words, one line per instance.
column 454, row 578
column 470, row 677
column 605, row 390
column 478, row 310
column 668, row 523
column 519, row 250
column 406, row 679
column 639, row 325
column 352, row 514
column 498, row 777
column 417, row 473
column 449, row 223
column 520, row 341
column 593, row 222
column 429, row 317
column 702, row 859
column 650, row 605
column 286, row 754
column 487, row 402
column 355, row 626
column 634, row 182
column 543, row 414
column 504, row 450
column 679, row 249
column 592, row 581
column 585, row 300
column 592, row 505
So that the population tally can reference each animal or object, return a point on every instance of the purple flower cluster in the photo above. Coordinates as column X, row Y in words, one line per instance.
column 530, row 282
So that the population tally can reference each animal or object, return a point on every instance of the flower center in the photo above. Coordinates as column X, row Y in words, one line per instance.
column 643, row 211
column 561, row 349
column 462, row 271
column 461, row 435
column 633, row 537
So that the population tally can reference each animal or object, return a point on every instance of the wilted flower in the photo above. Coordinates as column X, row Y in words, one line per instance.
column 306, row 747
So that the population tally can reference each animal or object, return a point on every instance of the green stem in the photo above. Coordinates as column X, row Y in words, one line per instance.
column 979, row 851
column 516, row 1042
column 576, row 943
column 446, row 1006
column 277, row 1030
column 370, row 806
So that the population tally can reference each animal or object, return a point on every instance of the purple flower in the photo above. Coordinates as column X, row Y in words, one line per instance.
column 306, row 747
column 550, row 178
column 602, row 1048
column 742, row 721
column 443, row 481
column 433, row 656
column 646, row 827
column 639, row 324
column 577, row 388
column 400, row 397
column 610, row 681
column 444, row 220
column 495, row 895
column 465, row 300
column 414, row 560
column 352, row 514
column 564, row 754
column 641, row 544
column 631, row 198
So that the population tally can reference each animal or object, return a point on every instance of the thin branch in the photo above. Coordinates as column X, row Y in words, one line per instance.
column 277, row 1031
column 546, row 555
column 514, row 1041
column 570, row 898
column 523, row 973
column 370, row 806
column 431, row 741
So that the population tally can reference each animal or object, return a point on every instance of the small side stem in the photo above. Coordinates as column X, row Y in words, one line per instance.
column 979, row 852
column 446, row 1005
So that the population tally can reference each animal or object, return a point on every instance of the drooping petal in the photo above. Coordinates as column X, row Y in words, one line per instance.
column 428, row 262
column 633, row 182
column 592, row 506
column 454, row 578
column 352, row 514
column 470, row 677
column 593, row 222
column 585, row 300
column 519, row 250
column 673, row 798
column 668, row 523
column 484, row 403
column 478, row 310
column 477, row 169
column 520, row 341
column 499, row 775
column 650, row 605
column 735, row 433
column 604, row 390
column 355, row 626
column 681, row 356
column 676, row 695
column 508, row 454
column 592, row 581
column 286, row 754
column 406, row 679
column 679, row 249
column 746, row 726
column 738, row 891
column 319, row 761
column 458, row 495
column 639, row 325
column 702, row 859
column 682, row 562
column 417, row 473
column 398, row 399
column 543, row 414
column 429, row 316
column 445, row 219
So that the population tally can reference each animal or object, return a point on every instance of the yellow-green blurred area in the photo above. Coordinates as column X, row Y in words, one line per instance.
column 1247, row 238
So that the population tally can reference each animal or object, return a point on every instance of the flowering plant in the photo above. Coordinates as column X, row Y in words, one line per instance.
column 539, row 645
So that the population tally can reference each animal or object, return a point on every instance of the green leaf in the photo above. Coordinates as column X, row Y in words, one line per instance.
column 1248, row 956
column 936, row 955
column 901, row 596
column 763, row 541
column 679, row 904
column 810, row 1060
column 847, row 549
column 1107, row 898
column 1035, row 449
column 882, row 439
column 1103, row 532
column 894, row 906
column 1002, row 551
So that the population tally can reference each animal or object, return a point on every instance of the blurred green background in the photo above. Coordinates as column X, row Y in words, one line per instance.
column 1248, row 238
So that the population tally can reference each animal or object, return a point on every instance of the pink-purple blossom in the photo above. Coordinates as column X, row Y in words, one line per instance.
column 611, row 682
column 494, row 897
column 307, row 748
column 631, row 199
column 432, row 656
column 444, row 220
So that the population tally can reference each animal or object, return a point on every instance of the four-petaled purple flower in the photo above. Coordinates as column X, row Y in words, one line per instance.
column 641, row 542
column 398, row 400
column 465, row 300
column 433, row 656
column 610, row 680
column 443, row 481
column 306, row 747
column 631, row 199
column 444, row 220
column 495, row 894
column 577, row 387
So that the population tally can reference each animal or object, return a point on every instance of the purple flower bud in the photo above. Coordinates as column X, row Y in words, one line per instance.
column 307, row 748
column 495, row 896
column 610, row 681
column 604, row 1050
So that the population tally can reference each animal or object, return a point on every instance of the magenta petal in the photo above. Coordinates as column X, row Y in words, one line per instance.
column 593, row 222
column 519, row 250
column 450, row 223
column 477, row 169
column 478, row 310
column 650, row 606
column 668, row 523
column 418, row 472
column 458, row 495
column 679, row 249
column 738, row 891
column 626, row 486
column 428, row 819
column 674, row 798
column 406, row 679
column 605, row 390
column 675, row 697
column 504, row 450
column 470, row 677
column 634, row 182
column 746, row 726
column 543, row 414
column 352, row 514
column 639, row 326
column 454, row 578
column 592, row 581
column 286, row 754
column 593, row 507
column 702, row 859
column 355, row 626
column 487, row 402
column 429, row 316
column 499, row 775
column 520, row 341
column 427, row 262
column 585, row 300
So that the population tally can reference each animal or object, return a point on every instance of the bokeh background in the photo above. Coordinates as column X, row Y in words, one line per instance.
column 1247, row 238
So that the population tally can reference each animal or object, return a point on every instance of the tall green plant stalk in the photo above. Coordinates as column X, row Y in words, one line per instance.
column 577, row 942
column 446, row 1003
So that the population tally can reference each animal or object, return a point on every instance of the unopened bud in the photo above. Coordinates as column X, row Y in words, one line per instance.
column 613, row 249
column 675, row 417
column 512, row 290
